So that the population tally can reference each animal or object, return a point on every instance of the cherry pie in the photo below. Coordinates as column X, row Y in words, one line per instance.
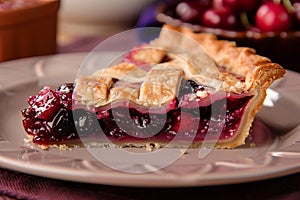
column 162, row 90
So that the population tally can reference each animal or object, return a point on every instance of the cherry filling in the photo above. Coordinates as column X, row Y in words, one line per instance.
column 50, row 118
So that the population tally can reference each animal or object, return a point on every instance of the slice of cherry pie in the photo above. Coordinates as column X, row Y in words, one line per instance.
column 163, row 91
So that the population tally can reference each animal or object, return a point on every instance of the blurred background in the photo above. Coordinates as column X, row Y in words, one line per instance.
column 42, row 27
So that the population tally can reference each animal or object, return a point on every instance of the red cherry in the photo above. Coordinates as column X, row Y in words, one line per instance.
column 220, row 18
column 272, row 17
column 190, row 11
column 241, row 5
column 46, row 104
column 217, row 4
column 297, row 11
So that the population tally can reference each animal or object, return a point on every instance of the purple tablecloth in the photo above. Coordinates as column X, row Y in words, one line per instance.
column 16, row 185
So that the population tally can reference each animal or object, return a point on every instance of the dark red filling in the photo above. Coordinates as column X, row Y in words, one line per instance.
column 51, row 119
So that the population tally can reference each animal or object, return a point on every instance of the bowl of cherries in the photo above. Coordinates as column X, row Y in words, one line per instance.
column 271, row 27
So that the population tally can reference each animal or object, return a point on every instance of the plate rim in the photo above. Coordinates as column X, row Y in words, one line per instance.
column 136, row 181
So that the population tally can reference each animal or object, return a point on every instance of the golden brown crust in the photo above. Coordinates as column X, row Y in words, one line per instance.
column 149, row 55
column 159, row 87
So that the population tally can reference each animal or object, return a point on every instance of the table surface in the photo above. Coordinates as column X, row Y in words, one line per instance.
column 17, row 185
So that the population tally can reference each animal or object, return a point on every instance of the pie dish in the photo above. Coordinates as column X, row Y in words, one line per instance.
column 184, row 85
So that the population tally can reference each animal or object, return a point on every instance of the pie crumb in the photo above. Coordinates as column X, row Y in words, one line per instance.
column 152, row 146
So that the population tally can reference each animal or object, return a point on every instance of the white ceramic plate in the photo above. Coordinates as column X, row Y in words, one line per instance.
column 18, row 79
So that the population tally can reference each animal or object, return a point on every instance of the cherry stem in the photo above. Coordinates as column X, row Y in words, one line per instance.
column 288, row 5
column 245, row 20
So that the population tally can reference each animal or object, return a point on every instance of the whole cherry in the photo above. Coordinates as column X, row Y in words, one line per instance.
column 217, row 4
column 297, row 12
column 220, row 18
column 191, row 11
column 273, row 17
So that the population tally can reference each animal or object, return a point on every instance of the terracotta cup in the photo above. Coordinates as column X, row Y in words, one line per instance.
column 29, row 31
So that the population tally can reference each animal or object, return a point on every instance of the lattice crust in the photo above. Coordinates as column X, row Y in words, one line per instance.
column 193, row 56
column 159, row 87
